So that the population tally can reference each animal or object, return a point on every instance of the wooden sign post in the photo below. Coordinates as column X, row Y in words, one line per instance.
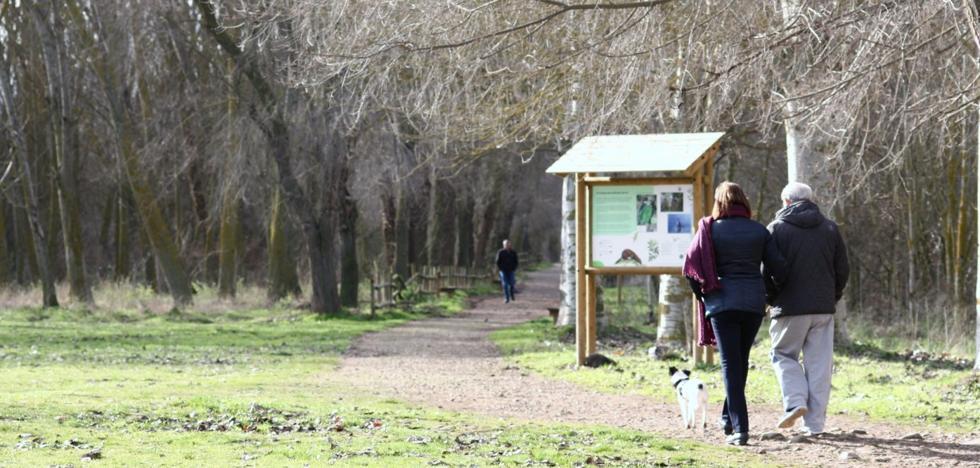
column 683, row 165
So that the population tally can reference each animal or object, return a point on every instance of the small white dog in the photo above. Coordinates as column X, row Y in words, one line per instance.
column 691, row 396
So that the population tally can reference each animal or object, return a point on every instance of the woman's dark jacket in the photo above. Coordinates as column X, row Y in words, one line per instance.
column 741, row 245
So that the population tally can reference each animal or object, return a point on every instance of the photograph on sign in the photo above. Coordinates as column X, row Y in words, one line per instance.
column 641, row 225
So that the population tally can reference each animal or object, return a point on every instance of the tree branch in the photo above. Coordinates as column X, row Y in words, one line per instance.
column 597, row 5
column 226, row 42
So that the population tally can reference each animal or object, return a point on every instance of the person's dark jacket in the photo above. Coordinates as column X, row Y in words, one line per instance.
column 507, row 260
column 741, row 245
column 816, row 260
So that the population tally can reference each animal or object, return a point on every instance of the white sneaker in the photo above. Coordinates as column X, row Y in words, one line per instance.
column 789, row 419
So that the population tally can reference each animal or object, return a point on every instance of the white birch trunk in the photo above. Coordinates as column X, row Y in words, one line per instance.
column 972, row 17
column 674, row 295
column 675, row 304
column 566, row 287
column 976, row 364
column 792, row 146
column 807, row 164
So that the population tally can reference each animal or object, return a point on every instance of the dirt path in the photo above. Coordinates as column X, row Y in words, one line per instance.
column 450, row 363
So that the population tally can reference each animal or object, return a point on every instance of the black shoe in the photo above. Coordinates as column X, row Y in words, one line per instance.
column 726, row 426
column 741, row 438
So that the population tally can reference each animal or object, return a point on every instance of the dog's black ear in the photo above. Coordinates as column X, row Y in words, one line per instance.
column 672, row 370
column 687, row 372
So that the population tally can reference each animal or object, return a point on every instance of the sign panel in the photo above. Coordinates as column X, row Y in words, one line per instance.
column 641, row 225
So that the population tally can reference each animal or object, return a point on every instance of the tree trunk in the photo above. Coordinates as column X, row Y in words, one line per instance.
column 318, row 232
column 388, row 223
column 446, row 254
column 25, row 262
column 155, row 227
column 463, row 231
column 416, row 233
column 972, row 12
column 960, row 292
column 123, row 265
column 349, row 278
column 432, row 217
column 439, row 224
column 322, row 269
column 487, row 219
column 675, row 305
column 228, row 246
column 150, row 271
column 108, row 213
column 566, row 282
column 5, row 247
column 402, row 232
column 212, row 259
column 976, row 343
column 65, row 145
column 52, row 220
column 283, row 279
column 49, row 295
column 653, row 292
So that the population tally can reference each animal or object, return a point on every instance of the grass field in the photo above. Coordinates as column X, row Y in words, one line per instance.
column 868, row 380
column 253, row 388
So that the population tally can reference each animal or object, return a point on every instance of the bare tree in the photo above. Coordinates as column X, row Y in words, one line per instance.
column 47, row 20
column 29, row 181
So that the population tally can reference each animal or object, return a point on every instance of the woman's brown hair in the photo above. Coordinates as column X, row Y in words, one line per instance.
column 727, row 195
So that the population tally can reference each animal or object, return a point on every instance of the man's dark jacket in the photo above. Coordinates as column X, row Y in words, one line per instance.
column 740, row 244
column 815, row 257
column 507, row 260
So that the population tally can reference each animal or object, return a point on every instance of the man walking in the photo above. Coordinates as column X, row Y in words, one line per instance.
column 507, row 264
column 803, row 309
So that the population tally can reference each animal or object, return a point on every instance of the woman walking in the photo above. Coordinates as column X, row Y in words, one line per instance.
column 723, row 266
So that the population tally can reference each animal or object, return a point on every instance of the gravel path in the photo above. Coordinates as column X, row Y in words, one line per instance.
column 450, row 363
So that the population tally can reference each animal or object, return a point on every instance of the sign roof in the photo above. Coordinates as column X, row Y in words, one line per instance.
column 668, row 152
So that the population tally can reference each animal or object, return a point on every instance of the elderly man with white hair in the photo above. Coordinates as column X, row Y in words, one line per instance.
column 802, row 309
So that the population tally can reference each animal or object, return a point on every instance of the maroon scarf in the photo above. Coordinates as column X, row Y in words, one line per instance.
column 699, row 265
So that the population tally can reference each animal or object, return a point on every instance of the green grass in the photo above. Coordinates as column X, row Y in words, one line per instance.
column 867, row 380
column 253, row 387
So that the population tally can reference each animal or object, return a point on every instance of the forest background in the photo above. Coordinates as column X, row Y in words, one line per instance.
column 294, row 145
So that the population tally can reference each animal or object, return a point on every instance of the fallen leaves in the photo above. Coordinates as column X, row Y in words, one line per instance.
column 92, row 455
column 256, row 418
column 30, row 441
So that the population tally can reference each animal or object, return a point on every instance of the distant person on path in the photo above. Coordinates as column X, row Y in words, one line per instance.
column 803, row 309
column 722, row 265
column 507, row 263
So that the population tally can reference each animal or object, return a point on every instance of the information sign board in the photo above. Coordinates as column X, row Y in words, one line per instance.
column 641, row 225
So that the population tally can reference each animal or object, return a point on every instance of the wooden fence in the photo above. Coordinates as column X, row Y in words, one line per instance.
column 390, row 290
